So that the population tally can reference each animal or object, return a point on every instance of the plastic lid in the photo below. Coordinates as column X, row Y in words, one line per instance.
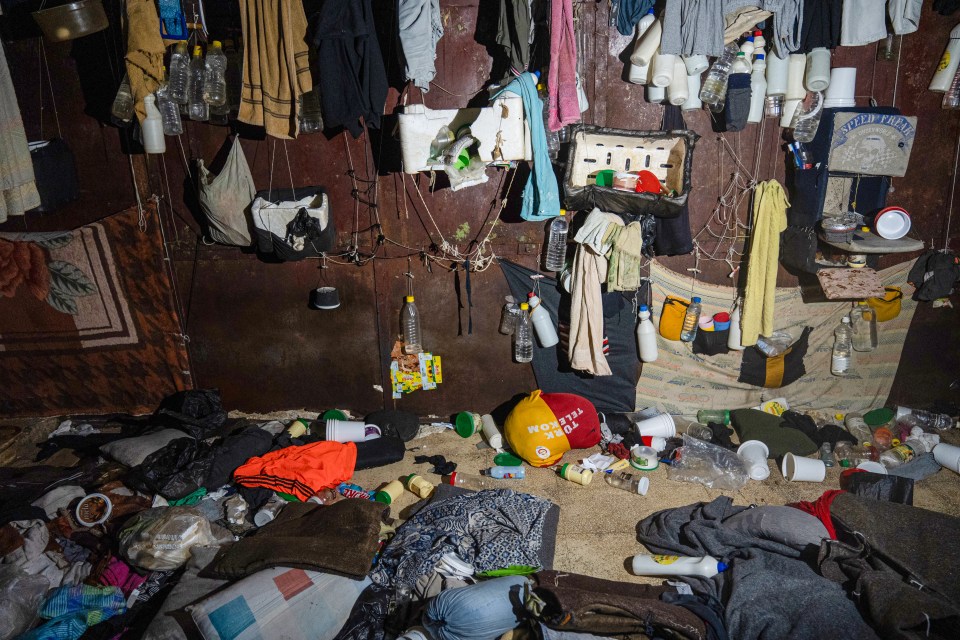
column 696, row 299
column 563, row 212
column 409, row 298
column 845, row 320
column 722, row 566
column 644, row 307
column 838, row 416
column 383, row 497
column 541, row 86
column 216, row 43
column 758, row 32
column 531, row 295
column 197, row 50
column 410, row 477
column 506, row 459
column 452, row 478
column 760, row 56
column 524, row 305
column 878, row 417
column 741, row 54
column 650, row 12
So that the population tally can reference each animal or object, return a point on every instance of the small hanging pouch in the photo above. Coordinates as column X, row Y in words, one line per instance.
column 225, row 198
column 671, row 318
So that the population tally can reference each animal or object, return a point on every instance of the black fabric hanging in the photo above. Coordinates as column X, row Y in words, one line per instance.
column 673, row 234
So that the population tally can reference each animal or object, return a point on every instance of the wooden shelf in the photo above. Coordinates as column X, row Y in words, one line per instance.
column 867, row 242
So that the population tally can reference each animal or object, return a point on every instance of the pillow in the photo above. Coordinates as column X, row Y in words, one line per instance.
column 133, row 451
column 544, row 426
column 752, row 424
column 279, row 603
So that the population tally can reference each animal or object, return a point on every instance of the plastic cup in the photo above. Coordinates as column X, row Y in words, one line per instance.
column 351, row 431
column 797, row 469
column 754, row 455
column 661, row 425
column 948, row 456
column 818, row 69
column 644, row 458
column 842, row 87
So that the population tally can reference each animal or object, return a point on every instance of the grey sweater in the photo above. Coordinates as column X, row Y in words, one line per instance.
column 693, row 27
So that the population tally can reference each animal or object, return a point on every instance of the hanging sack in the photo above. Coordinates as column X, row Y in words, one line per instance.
column 293, row 224
column 798, row 249
column 225, row 198
column 671, row 318
column 887, row 307
column 778, row 371
column 711, row 343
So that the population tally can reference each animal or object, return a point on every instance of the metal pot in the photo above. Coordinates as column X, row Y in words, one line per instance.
column 72, row 20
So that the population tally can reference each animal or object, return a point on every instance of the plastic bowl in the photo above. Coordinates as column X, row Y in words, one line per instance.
column 892, row 223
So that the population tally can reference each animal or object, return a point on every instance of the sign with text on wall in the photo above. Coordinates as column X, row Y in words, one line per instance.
column 872, row 143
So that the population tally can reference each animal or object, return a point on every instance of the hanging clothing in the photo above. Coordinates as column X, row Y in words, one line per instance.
column 630, row 13
column 585, row 350
column 18, row 189
column 515, row 32
column 421, row 27
column 276, row 65
column 541, row 195
column 864, row 22
column 821, row 25
column 769, row 220
column 625, row 272
column 703, row 26
column 353, row 81
column 904, row 15
column 145, row 50
column 562, row 82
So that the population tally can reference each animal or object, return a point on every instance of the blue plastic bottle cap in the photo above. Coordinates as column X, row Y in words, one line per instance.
column 644, row 307
column 760, row 56
column 696, row 299
column 721, row 566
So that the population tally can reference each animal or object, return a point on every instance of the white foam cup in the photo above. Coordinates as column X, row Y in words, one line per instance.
column 754, row 455
column 948, row 456
column 661, row 425
column 351, row 431
column 797, row 469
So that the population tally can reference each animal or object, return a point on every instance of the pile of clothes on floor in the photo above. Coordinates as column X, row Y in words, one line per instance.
column 186, row 522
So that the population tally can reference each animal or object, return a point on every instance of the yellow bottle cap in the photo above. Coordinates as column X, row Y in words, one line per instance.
column 216, row 43
column 524, row 306
column 563, row 212
column 838, row 416
column 409, row 298
column 197, row 51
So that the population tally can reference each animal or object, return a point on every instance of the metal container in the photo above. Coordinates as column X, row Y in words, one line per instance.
column 72, row 20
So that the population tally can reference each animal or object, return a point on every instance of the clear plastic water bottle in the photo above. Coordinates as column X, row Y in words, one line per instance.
column 553, row 137
column 926, row 420
column 197, row 108
column 179, row 79
column 523, row 336
column 220, row 115
column 556, row 254
column 863, row 326
column 740, row 63
column 311, row 118
column 169, row 110
column 806, row 120
column 691, row 320
column 215, row 76
column 840, row 364
column 122, row 109
column 628, row 482
column 472, row 482
column 713, row 93
column 951, row 98
column 858, row 427
column 410, row 327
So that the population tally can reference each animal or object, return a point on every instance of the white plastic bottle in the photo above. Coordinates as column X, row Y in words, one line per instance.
column 678, row 91
column 197, row 108
column 690, row 321
column 948, row 65
column 748, row 47
column 713, row 93
column 863, row 326
column 542, row 322
column 152, row 127
column 179, row 81
column 734, row 337
column 759, row 42
column 660, row 565
column 491, row 432
column 410, row 327
column 648, row 43
column 639, row 73
column 169, row 111
column 523, row 336
column 556, row 254
column 656, row 95
column 840, row 364
column 740, row 64
column 663, row 70
column 696, row 64
column 215, row 76
column 758, row 89
column 693, row 94
column 646, row 336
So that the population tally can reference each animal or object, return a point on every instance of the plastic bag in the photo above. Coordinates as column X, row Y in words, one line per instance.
column 20, row 598
column 709, row 465
column 774, row 344
column 160, row 539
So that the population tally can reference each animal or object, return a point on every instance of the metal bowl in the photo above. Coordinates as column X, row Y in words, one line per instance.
column 73, row 20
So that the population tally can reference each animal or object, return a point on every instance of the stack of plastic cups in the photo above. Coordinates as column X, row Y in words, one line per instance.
column 843, row 85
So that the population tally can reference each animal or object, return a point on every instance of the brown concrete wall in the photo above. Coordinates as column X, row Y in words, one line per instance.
column 252, row 334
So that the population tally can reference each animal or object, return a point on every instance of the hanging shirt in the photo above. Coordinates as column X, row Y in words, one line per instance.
column 769, row 220
column 421, row 27
column 864, row 21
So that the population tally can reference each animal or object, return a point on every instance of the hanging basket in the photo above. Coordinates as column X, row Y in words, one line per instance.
column 72, row 20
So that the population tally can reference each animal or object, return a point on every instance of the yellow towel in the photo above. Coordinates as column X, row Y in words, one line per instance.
column 276, row 65
column 145, row 51
column 769, row 220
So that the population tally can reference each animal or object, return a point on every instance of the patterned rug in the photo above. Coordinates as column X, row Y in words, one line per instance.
column 682, row 382
column 88, row 322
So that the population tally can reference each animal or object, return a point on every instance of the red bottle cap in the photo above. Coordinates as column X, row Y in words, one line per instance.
column 723, row 316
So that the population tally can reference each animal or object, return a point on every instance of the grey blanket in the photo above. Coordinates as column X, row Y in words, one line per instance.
column 769, row 591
